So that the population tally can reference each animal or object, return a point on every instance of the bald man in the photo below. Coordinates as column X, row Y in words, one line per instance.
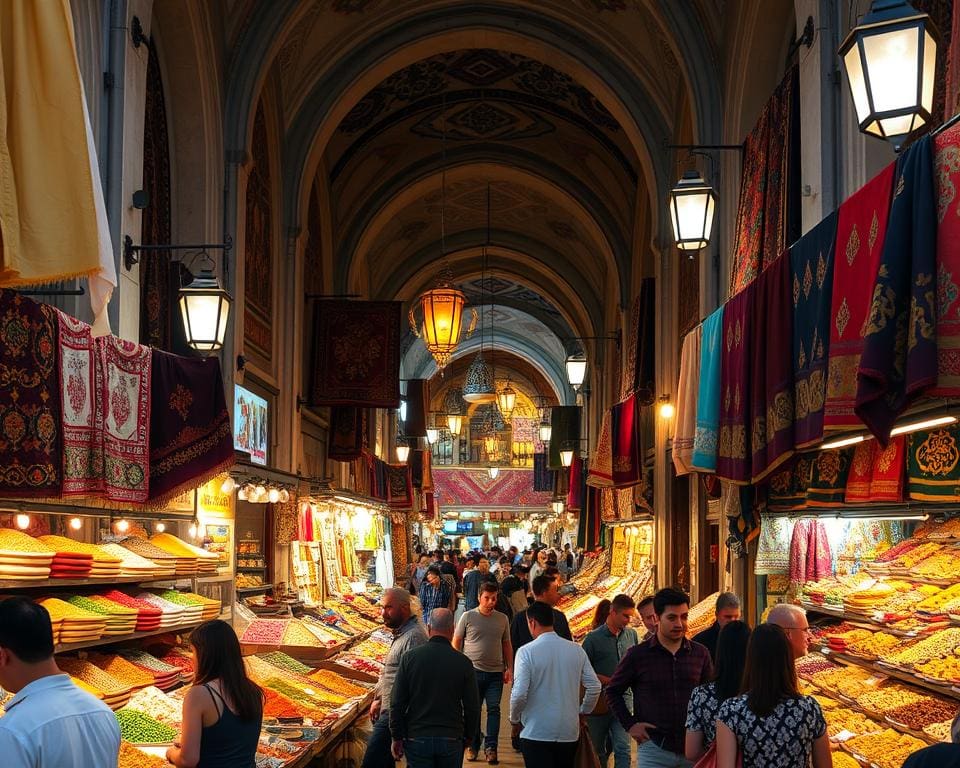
column 434, row 704
column 408, row 633
column 793, row 620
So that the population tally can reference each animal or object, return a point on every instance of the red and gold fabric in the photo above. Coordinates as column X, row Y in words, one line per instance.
column 861, row 470
column 861, row 228
column 733, row 459
column 600, row 474
column 30, row 422
column 627, row 451
column 933, row 465
column 80, row 408
column 946, row 169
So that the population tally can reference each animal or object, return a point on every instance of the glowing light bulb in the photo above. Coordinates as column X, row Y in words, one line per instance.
column 261, row 492
column 123, row 526
column 228, row 485
column 192, row 530
column 273, row 495
column 242, row 493
column 23, row 522
column 159, row 527
column 76, row 523
column 284, row 496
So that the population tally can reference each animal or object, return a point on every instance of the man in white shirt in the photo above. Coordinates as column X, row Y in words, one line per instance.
column 545, row 706
column 49, row 722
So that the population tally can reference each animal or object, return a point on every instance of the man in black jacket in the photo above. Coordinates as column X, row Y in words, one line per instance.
column 544, row 591
column 434, row 703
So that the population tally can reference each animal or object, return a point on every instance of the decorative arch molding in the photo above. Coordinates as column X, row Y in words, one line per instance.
column 509, row 162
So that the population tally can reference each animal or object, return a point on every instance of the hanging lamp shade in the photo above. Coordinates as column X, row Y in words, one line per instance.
column 692, row 202
column 437, row 318
column 493, row 471
column 455, row 423
column 478, row 387
column 545, row 432
column 205, row 307
column 433, row 434
column 507, row 401
column 557, row 507
column 576, row 370
column 891, row 61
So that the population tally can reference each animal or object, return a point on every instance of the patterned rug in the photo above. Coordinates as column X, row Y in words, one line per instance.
column 474, row 488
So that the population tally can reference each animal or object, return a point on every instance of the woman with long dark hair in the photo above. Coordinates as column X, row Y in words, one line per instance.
column 600, row 613
column 223, row 711
column 706, row 699
column 771, row 725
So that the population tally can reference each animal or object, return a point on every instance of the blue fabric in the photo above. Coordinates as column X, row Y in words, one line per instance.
column 433, row 597
column 471, row 590
column 708, row 396
column 490, row 685
column 378, row 745
column 433, row 752
column 609, row 738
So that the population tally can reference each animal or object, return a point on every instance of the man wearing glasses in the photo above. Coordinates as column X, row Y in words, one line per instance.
column 793, row 620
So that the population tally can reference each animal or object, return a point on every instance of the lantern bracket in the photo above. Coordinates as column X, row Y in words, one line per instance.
column 805, row 39
column 131, row 252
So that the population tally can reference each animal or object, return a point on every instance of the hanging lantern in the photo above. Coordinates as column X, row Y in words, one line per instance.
column 403, row 452
column 891, row 60
column 454, row 423
column 507, row 401
column 433, row 434
column 493, row 471
column 545, row 432
column 692, row 202
column 440, row 321
column 557, row 507
column 205, row 307
column 478, row 387
column 576, row 370
column 566, row 456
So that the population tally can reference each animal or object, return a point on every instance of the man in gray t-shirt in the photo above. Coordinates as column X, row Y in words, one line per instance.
column 483, row 634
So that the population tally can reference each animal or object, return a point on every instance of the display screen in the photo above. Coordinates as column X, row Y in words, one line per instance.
column 458, row 526
column 250, row 425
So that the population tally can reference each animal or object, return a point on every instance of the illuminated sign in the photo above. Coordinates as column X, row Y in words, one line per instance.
column 250, row 425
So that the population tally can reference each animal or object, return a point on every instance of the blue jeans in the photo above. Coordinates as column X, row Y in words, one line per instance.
column 378, row 753
column 609, row 737
column 433, row 752
column 490, row 686
column 649, row 755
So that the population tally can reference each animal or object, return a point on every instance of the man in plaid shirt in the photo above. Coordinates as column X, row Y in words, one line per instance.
column 434, row 592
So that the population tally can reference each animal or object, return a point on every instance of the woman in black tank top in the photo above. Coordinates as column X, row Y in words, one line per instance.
column 223, row 711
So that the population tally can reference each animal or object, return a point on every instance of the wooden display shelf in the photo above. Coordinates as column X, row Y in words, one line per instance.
column 865, row 621
column 46, row 584
column 897, row 674
column 251, row 590
column 180, row 628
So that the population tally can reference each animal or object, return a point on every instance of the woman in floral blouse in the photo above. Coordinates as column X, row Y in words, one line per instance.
column 772, row 725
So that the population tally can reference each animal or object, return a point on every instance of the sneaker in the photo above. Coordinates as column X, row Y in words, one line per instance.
column 491, row 754
column 471, row 754
column 515, row 743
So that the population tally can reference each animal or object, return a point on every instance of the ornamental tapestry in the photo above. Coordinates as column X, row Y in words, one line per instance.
column 258, row 247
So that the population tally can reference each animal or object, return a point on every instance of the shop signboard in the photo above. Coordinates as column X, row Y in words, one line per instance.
column 213, row 501
column 250, row 425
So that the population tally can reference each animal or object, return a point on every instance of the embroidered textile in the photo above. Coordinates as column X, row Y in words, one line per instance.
column 733, row 459
column 773, row 546
column 899, row 359
column 686, row 421
column 877, row 472
column 399, row 486
column 639, row 369
column 768, row 211
column 601, row 468
column 861, row 468
column 810, row 558
column 564, row 431
column 191, row 436
column 861, row 228
column 828, row 479
column 473, row 488
column 811, row 284
column 771, row 386
column 947, row 178
column 125, row 395
column 30, row 420
column 626, row 443
column 576, row 487
column 357, row 354
column 708, row 395
column 345, row 439
column 418, row 406
column 788, row 485
column 81, row 380
column 933, row 465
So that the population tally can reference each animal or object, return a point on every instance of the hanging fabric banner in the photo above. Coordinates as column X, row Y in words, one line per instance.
column 947, row 177
column 399, row 486
column 861, row 228
column 639, row 367
column 601, row 466
column 708, row 394
column 627, row 451
column 828, row 480
column 733, row 460
column 933, row 465
column 542, row 474
column 81, row 409
column 687, row 390
column 899, row 359
column 345, row 439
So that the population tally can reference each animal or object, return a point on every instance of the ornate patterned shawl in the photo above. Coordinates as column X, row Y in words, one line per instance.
column 947, row 172
column 899, row 359
column 357, row 354
column 81, row 408
column 601, row 467
column 789, row 483
column 773, row 546
column 627, row 450
column 861, row 228
column 345, row 440
column 708, row 394
column 191, row 439
column 125, row 395
column 771, row 386
column 686, row 428
column 889, row 468
column 30, row 420
column 933, row 465
column 811, row 267
column 399, row 486
column 861, row 469
column 828, row 480
column 733, row 460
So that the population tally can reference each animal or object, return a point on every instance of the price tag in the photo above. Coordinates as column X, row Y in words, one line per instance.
column 825, row 651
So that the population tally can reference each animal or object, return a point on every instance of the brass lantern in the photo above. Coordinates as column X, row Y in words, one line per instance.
column 205, row 307
column 692, row 202
column 891, row 61
column 507, row 401
column 440, row 321
column 454, row 423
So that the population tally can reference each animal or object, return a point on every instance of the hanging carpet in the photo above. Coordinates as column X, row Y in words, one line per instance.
column 733, row 459
column 708, row 394
column 947, row 178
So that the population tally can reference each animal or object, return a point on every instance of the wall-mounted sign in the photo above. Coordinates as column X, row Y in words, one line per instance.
column 250, row 426
column 214, row 502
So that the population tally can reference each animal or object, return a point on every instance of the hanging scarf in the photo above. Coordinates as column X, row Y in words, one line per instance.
column 81, row 409
column 828, row 480
column 788, row 484
column 345, row 439
column 771, row 385
column 811, row 267
column 627, row 453
column 400, row 486
column 191, row 440
column 601, row 467
column 933, row 465
column 947, row 172
column 30, row 420
column 861, row 470
column 861, row 228
column 810, row 558
column 686, row 428
column 899, row 359
column 576, row 488
column 773, row 545
column 708, row 395
column 733, row 459
column 125, row 395
column 889, row 468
